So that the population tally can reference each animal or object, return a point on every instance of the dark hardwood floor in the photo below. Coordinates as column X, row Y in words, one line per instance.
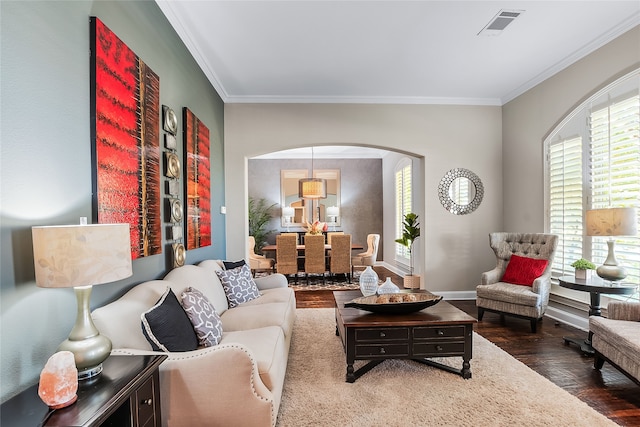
column 607, row 391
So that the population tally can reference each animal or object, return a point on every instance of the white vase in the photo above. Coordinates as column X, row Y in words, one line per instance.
column 368, row 282
column 388, row 287
column 583, row 274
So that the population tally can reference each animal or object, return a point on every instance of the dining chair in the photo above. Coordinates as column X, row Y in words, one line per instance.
column 314, row 258
column 287, row 254
column 331, row 234
column 291, row 234
column 259, row 262
column 340, row 259
column 369, row 257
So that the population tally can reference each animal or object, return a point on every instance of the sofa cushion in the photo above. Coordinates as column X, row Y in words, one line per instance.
column 238, row 285
column 245, row 317
column 167, row 327
column 230, row 265
column 203, row 317
column 524, row 270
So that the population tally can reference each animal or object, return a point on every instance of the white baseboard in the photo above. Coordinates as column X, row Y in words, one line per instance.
column 567, row 318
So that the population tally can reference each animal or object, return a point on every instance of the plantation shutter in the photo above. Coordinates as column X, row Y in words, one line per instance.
column 565, row 202
column 403, row 206
column 615, row 175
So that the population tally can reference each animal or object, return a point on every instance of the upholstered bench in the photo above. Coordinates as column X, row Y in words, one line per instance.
column 616, row 338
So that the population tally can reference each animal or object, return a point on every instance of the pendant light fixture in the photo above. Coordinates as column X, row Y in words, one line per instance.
column 312, row 188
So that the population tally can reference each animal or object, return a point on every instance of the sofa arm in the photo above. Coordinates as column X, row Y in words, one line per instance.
column 542, row 285
column 271, row 281
column 624, row 310
column 217, row 384
column 492, row 276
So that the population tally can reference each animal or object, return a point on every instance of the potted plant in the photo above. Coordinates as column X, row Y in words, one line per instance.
column 583, row 268
column 259, row 217
column 410, row 232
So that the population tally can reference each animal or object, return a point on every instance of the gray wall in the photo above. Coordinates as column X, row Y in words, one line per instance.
column 45, row 156
column 361, row 210
column 452, row 250
column 529, row 118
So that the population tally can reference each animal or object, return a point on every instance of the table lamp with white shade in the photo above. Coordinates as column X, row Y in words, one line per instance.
column 287, row 214
column 612, row 222
column 80, row 256
column 333, row 212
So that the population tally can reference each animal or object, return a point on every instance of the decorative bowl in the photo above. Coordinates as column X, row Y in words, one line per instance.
column 423, row 300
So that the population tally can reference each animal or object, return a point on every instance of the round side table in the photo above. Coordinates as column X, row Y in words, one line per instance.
column 595, row 286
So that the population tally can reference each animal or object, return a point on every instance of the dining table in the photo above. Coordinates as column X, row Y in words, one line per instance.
column 273, row 248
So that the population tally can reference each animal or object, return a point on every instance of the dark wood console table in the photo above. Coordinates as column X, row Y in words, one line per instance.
column 438, row 331
column 595, row 286
column 126, row 393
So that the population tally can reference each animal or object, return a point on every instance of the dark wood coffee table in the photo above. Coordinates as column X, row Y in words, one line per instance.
column 438, row 331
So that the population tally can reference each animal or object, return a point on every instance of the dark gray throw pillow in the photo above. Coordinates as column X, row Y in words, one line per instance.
column 167, row 327
column 230, row 265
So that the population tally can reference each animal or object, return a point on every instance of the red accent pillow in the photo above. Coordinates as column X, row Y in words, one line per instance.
column 523, row 271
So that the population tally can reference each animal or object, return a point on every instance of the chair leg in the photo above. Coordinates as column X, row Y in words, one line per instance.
column 480, row 313
column 534, row 325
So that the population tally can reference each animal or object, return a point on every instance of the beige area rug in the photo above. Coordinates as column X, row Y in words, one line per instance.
column 502, row 392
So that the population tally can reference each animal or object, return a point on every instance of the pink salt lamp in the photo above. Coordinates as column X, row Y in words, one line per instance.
column 59, row 380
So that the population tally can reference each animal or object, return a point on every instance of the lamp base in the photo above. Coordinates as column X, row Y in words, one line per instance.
column 611, row 272
column 89, row 372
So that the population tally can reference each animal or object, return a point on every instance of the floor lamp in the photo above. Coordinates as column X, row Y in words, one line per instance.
column 612, row 222
column 78, row 257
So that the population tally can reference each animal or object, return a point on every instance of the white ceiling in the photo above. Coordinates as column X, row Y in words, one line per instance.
column 389, row 51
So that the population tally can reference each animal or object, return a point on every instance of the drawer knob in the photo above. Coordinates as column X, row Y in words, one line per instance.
column 439, row 348
column 147, row 402
column 382, row 335
column 440, row 332
column 382, row 350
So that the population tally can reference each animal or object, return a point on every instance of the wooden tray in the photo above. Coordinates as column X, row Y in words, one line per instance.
column 423, row 300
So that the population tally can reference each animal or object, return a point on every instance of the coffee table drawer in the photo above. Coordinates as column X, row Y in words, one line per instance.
column 382, row 350
column 382, row 334
column 431, row 349
column 438, row 332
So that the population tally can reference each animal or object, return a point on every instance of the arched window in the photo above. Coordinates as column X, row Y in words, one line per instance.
column 403, row 204
column 593, row 162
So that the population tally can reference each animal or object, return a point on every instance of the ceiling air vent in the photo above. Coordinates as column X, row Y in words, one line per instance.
column 499, row 22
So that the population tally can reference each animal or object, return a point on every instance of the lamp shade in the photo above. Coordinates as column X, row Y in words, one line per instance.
column 312, row 188
column 79, row 255
column 333, row 211
column 612, row 222
column 287, row 211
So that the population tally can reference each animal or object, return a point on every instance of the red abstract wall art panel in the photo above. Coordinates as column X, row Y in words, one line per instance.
column 125, row 102
column 197, row 181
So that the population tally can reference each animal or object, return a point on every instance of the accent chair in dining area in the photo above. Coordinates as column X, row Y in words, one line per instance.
column 340, row 258
column 259, row 262
column 369, row 257
column 287, row 255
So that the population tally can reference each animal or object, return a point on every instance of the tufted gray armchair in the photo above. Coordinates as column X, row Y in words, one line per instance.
column 517, row 300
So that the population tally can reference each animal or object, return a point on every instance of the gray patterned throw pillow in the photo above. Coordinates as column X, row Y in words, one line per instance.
column 206, row 322
column 238, row 285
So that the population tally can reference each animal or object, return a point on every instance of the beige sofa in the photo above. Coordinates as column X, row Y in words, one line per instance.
column 616, row 338
column 237, row 382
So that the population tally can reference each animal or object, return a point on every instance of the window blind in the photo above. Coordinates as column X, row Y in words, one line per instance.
column 566, row 202
column 403, row 206
column 614, row 172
